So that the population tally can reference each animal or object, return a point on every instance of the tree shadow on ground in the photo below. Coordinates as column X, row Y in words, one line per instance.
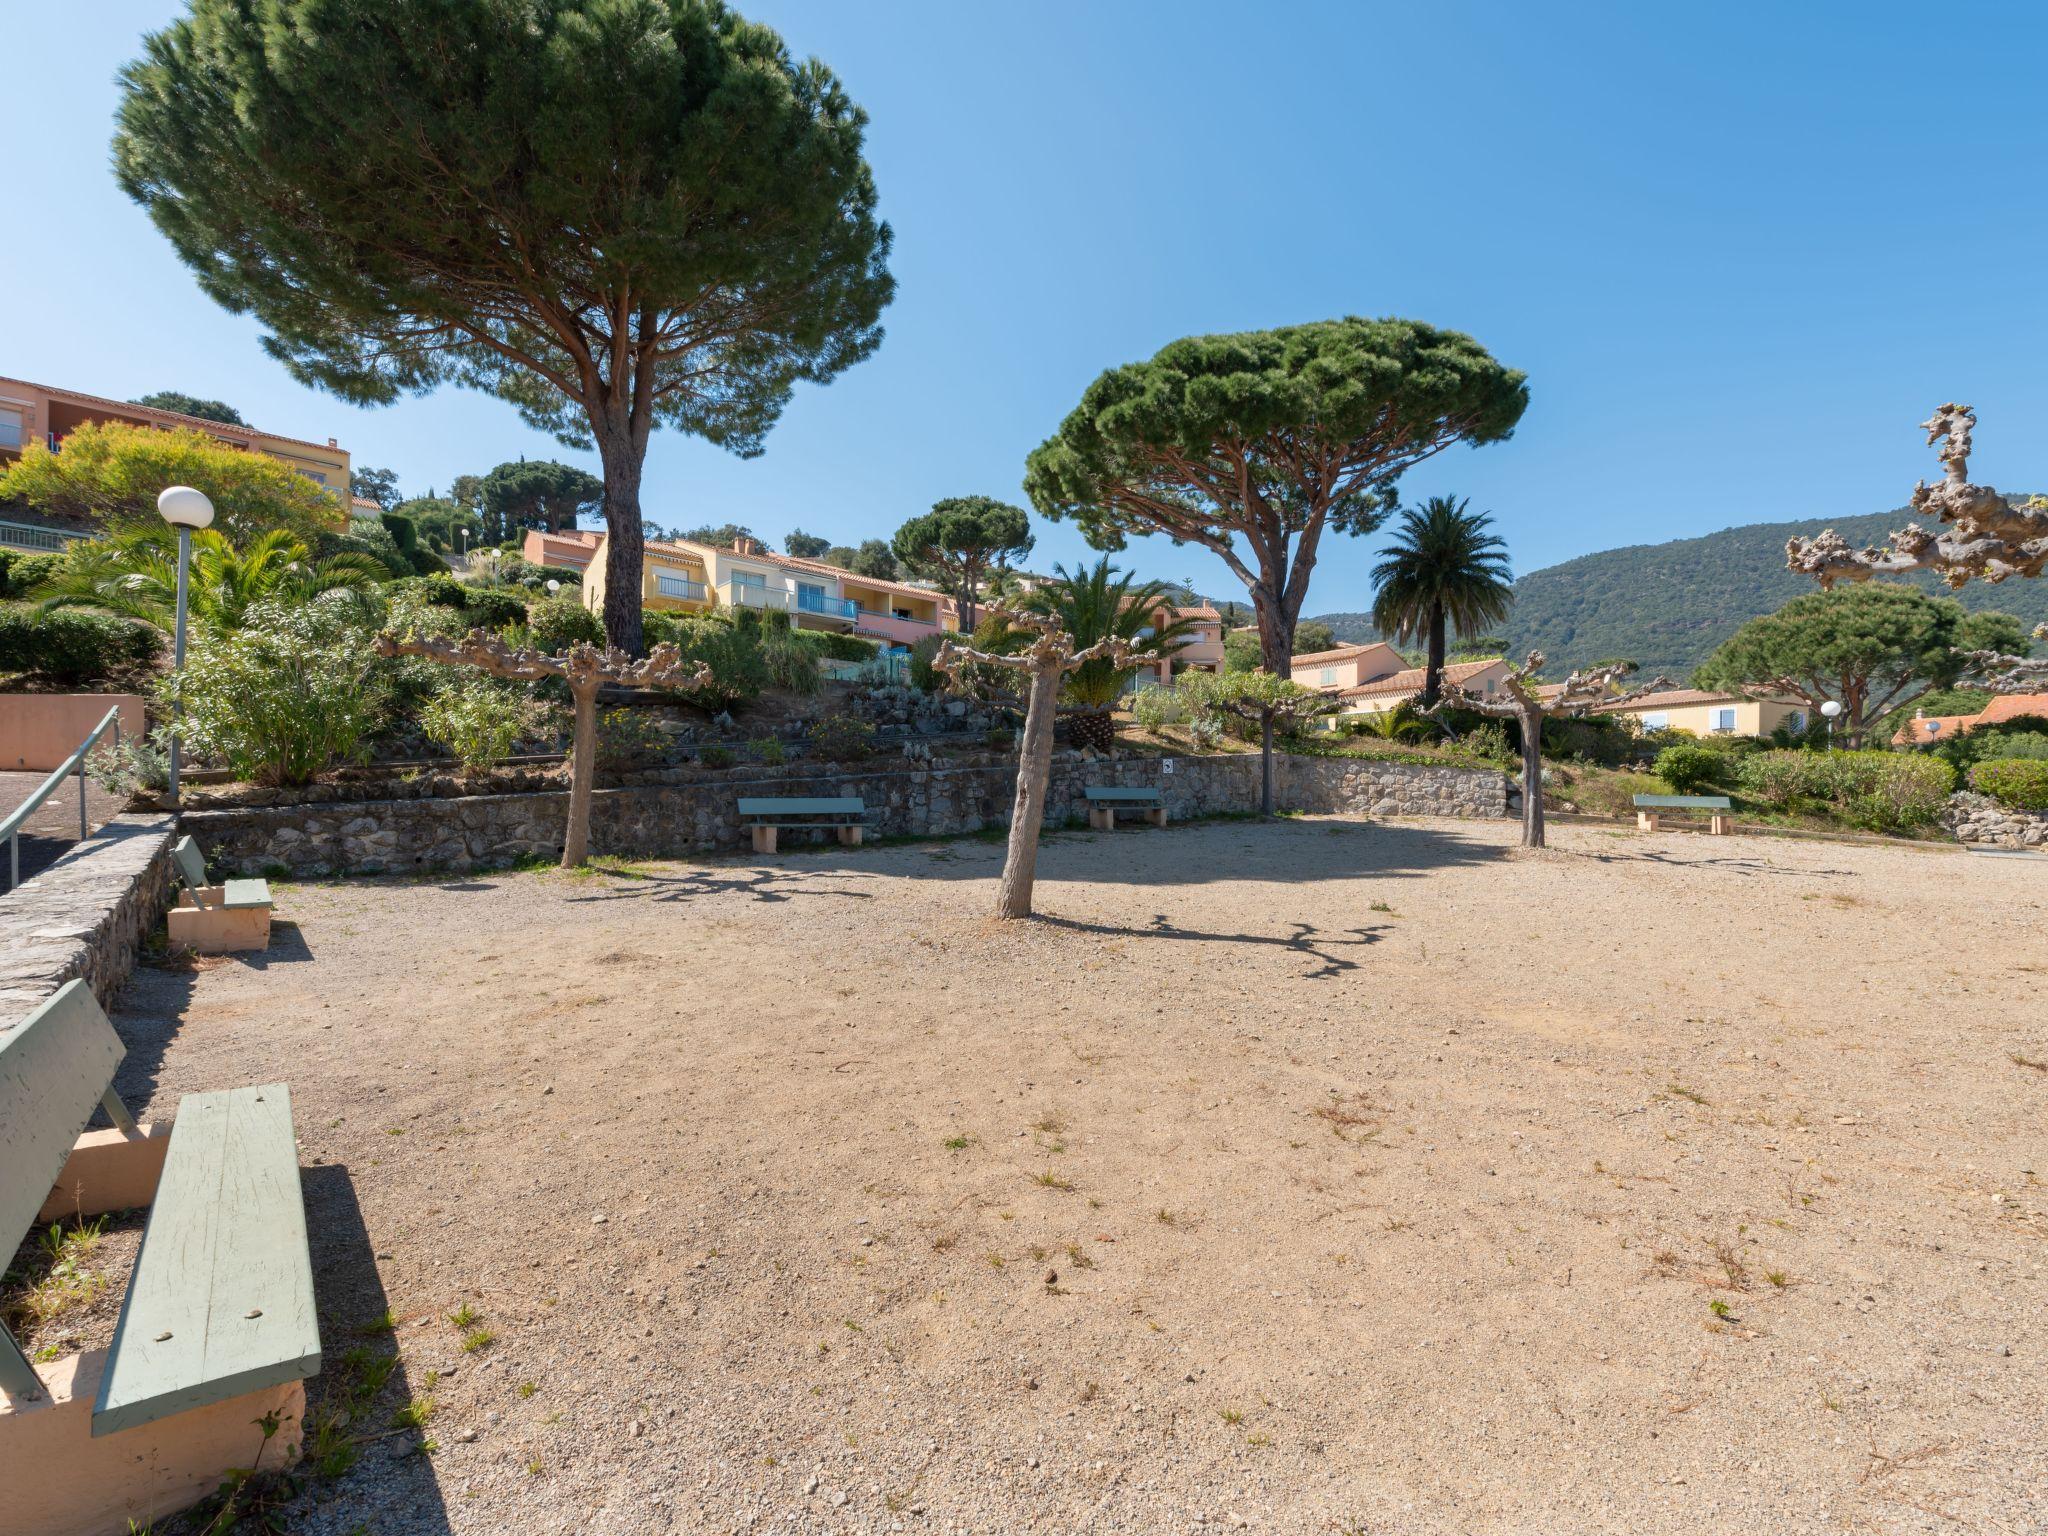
column 1734, row 864
column 1306, row 939
column 754, row 884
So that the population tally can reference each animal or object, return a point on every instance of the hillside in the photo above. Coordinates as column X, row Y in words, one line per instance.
column 1667, row 606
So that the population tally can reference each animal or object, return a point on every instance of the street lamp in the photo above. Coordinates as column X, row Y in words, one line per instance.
column 184, row 509
column 1832, row 708
column 554, row 587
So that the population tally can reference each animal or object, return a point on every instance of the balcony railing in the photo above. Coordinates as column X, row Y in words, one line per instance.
column 679, row 587
column 22, row 536
column 831, row 607
column 746, row 594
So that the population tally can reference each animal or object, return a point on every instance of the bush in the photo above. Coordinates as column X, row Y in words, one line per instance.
column 715, row 757
column 1155, row 708
column 291, row 692
column 2020, row 783
column 628, row 738
column 1776, row 779
column 478, row 720
column 1882, row 791
column 768, row 749
column 21, row 574
column 791, row 664
column 843, row 738
column 738, row 672
column 923, row 675
column 555, row 623
column 71, row 645
column 1690, row 769
column 490, row 608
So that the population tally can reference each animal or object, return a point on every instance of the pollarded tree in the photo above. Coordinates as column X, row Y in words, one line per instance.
column 1522, row 699
column 1873, row 647
column 1443, row 572
column 1983, row 535
column 1256, row 445
column 1100, row 604
column 960, row 541
column 614, row 214
column 585, row 669
column 1258, row 698
column 1045, row 662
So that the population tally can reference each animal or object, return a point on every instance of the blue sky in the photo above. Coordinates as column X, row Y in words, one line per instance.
column 1739, row 249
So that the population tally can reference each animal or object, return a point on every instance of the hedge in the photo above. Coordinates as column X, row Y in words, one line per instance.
column 2019, row 783
column 1884, row 791
column 72, row 646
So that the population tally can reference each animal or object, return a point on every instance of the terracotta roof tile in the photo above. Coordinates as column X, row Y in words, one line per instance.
column 1410, row 680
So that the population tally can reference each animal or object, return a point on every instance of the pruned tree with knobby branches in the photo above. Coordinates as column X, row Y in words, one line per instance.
column 1261, row 699
column 1045, row 661
column 585, row 669
column 1982, row 536
column 1997, row 673
column 1524, row 700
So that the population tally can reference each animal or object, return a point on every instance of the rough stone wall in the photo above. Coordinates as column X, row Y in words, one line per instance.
column 670, row 819
column 1975, row 818
column 86, row 915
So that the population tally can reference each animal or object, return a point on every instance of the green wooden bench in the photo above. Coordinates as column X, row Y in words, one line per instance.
column 1718, row 823
column 217, row 1328
column 763, row 815
column 216, row 919
column 1103, row 805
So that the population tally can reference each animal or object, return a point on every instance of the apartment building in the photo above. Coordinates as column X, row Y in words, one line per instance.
column 1200, row 650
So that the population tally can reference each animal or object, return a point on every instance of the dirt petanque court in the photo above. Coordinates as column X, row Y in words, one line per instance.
column 1315, row 1176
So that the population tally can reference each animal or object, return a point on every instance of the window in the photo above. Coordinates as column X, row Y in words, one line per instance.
column 1724, row 719
column 1656, row 720
column 12, row 433
column 1329, row 675
column 1796, row 721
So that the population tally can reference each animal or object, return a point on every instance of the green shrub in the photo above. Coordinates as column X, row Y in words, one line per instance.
column 291, row 692
column 478, row 720
column 841, row 647
column 555, row 623
column 21, row 574
column 738, row 671
column 2020, row 783
column 768, row 749
column 1689, row 769
column 923, row 675
column 1896, row 792
column 628, row 738
column 715, row 757
column 1156, row 708
column 843, row 738
column 72, row 645
column 792, row 665
column 492, row 608
column 1776, row 779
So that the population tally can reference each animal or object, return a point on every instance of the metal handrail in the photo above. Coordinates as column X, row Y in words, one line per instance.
column 10, row 825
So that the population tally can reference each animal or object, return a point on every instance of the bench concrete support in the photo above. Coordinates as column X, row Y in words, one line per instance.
column 1720, row 825
column 1103, row 817
column 108, row 1171
column 1646, row 821
column 209, row 928
column 764, row 839
column 849, row 837
column 61, row 1481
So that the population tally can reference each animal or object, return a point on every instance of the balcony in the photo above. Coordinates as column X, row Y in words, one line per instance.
column 809, row 600
column 748, row 594
column 678, row 589
column 893, row 627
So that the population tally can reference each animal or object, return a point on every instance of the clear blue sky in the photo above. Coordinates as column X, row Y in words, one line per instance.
column 1739, row 249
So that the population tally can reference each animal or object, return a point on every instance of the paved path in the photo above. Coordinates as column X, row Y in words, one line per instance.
column 54, row 825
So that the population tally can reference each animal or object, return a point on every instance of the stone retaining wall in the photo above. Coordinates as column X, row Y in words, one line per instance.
column 659, row 820
column 1975, row 818
column 86, row 915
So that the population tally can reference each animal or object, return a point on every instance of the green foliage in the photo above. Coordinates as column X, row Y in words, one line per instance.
column 961, row 540
column 718, row 535
column 1403, row 723
column 492, row 607
column 2020, row 736
column 874, row 560
column 69, row 647
column 111, row 473
column 439, row 520
column 192, row 405
column 923, row 675
column 628, row 739
column 831, row 643
column 1689, row 770
column 1444, row 572
column 131, row 766
column 1881, row 791
column 843, row 738
column 479, row 719
column 1874, row 646
column 21, row 575
column 555, row 623
column 535, row 493
column 282, row 698
column 133, row 571
column 738, row 670
column 1313, row 635
column 405, row 533
column 768, row 749
column 715, row 757
column 1241, row 651
column 1096, row 603
column 1154, row 708
column 805, row 546
column 2018, row 782
column 1669, row 605
column 791, row 663
column 378, row 485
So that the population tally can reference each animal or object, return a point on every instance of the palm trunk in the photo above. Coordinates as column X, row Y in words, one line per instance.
column 1433, row 673
column 1532, row 779
column 625, row 547
column 1027, row 815
column 582, row 771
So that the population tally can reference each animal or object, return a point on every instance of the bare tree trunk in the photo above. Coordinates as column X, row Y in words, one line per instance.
column 1532, row 779
column 1266, row 763
column 625, row 548
column 1433, row 674
column 1034, row 769
column 582, row 772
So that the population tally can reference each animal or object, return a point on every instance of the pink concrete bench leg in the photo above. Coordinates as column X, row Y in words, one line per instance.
column 764, row 839
column 60, row 1481
column 216, row 930
column 109, row 1171
column 1102, row 818
column 1719, row 825
column 1646, row 821
column 849, row 837
column 1158, row 817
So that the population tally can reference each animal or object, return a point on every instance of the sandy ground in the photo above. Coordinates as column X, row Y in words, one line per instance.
column 1306, row 1177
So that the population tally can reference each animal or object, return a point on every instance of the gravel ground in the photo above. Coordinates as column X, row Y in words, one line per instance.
column 1306, row 1177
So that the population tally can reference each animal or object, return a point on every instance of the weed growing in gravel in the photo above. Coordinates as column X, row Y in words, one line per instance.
column 1721, row 1309
column 2019, row 1060
column 955, row 1143
column 1687, row 1093
column 1381, row 906
column 995, row 1260
column 415, row 1413
column 463, row 1316
column 1078, row 1257
column 1232, row 1416
column 1258, row 1440
column 384, row 1322
column 528, row 1388
column 33, row 1299
column 476, row 1339
column 1778, row 1278
column 1166, row 1218
column 1051, row 1180
column 533, row 1467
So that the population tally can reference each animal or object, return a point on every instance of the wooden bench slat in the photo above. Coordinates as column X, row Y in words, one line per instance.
column 55, row 1065
column 191, row 863
column 221, row 1299
column 1679, row 802
column 1122, row 796
column 768, row 806
column 247, row 893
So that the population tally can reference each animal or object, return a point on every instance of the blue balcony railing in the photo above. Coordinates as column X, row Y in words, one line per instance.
column 808, row 601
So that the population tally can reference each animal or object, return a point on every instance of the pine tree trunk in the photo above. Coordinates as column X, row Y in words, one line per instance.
column 1433, row 675
column 625, row 546
column 1034, row 770
column 582, row 771
column 1532, row 779
column 1276, row 638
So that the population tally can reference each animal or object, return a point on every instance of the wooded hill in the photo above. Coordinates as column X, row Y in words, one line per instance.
column 1666, row 606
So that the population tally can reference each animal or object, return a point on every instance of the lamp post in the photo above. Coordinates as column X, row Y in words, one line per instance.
column 184, row 509
column 1830, row 710
column 554, row 587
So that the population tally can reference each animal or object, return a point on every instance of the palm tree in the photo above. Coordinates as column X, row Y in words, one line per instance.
column 133, row 571
column 1098, row 604
column 1444, row 570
